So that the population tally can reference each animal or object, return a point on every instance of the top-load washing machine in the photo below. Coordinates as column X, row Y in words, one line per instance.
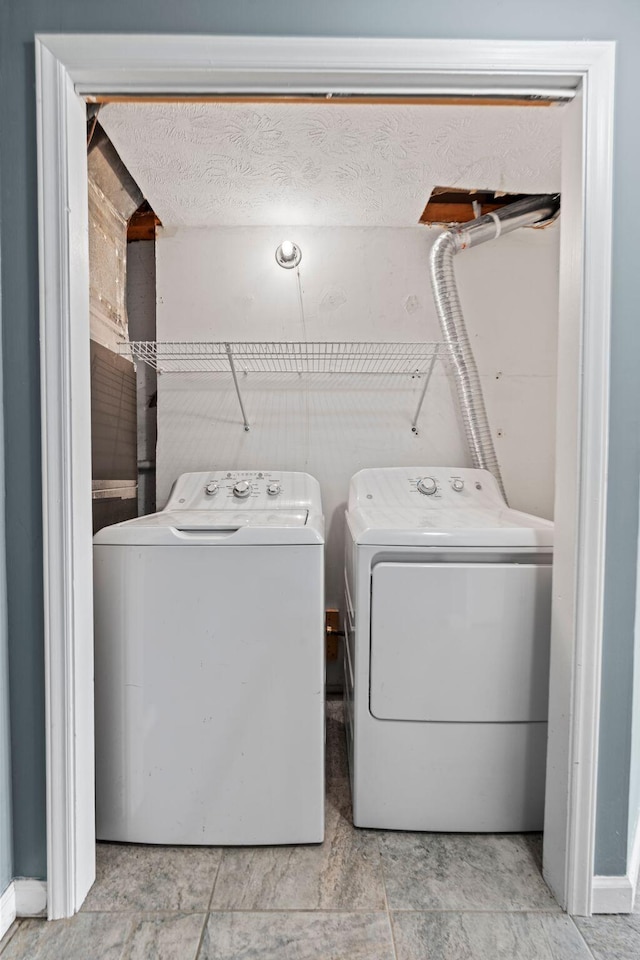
column 448, row 606
column 209, row 637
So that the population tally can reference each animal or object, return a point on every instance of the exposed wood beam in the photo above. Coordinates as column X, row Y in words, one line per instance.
column 452, row 205
column 142, row 225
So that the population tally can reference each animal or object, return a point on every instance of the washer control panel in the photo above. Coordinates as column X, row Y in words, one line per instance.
column 251, row 486
column 245, row 490
column 242, row 489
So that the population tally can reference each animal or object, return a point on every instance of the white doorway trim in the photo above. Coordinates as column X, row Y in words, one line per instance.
column 71, row 65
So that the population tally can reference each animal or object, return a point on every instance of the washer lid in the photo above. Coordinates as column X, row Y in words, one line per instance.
column 438, row 506
column 205, row 528
column 207, row 520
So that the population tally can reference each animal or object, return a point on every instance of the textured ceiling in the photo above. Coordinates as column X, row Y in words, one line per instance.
column 327, row 164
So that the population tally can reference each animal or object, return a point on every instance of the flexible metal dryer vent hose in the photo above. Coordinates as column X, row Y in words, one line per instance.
column 522, row 213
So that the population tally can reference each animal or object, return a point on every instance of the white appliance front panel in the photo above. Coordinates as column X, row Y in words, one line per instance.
column 449, row 777
column 209, row 694
column 460, row 642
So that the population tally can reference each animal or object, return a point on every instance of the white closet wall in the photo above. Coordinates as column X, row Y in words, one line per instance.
column 223, row 283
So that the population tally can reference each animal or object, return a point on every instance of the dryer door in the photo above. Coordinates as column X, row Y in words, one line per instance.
column 460, row 642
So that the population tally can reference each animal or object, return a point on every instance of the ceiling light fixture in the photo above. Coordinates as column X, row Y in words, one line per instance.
column 288, row 255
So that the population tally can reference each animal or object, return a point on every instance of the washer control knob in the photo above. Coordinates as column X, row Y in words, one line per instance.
column 457, row 484
column 273, row 489
column 211, row 488
column 242, row 489
column 427, row 486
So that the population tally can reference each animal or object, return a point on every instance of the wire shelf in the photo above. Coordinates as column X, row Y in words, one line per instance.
column 288, row 356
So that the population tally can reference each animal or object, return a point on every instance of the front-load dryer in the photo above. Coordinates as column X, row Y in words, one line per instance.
column 209, row 640
column 446, row 659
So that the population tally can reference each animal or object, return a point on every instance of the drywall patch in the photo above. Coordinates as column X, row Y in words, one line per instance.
column 412, row 304
column 331, row 300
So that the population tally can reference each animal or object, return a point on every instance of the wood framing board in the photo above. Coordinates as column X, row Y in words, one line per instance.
column 436, row 101
column 453, row 205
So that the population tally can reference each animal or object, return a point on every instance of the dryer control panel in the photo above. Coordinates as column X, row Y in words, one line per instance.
column 419, row 486
column 438, row 506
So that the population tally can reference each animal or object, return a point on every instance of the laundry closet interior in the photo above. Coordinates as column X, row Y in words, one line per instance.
column 209, row 354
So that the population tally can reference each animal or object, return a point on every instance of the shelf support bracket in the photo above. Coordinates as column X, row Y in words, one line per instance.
column 232, row 365
column 427, row 378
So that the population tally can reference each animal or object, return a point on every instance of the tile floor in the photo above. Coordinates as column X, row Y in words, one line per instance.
column 361, row 895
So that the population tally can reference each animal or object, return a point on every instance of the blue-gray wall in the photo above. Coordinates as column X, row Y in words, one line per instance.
column 634, row 792
column 6, row 833
column 491, row 19
column 6, row 837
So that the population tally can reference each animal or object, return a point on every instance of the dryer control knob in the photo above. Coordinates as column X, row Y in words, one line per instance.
column 211, row 488
column 457, row 484
column 427, row 486
column 242, row 489
column 273, row 489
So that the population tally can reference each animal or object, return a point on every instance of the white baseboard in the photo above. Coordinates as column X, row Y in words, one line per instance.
column 634, row 860
column 612, row 895
column 7, row 909
column 618, row 894
column 22, row 898
column 31, row 897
